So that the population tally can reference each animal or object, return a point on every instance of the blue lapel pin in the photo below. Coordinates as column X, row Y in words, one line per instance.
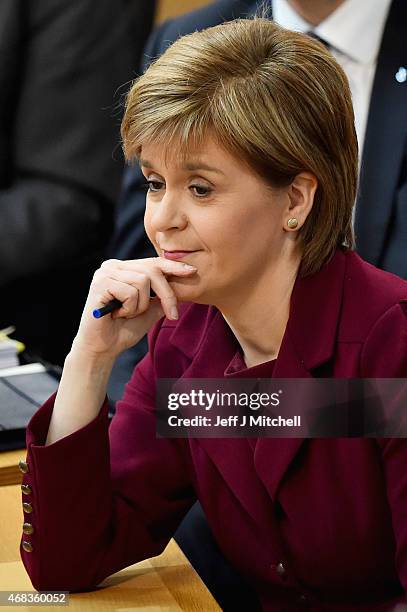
column 401, row 75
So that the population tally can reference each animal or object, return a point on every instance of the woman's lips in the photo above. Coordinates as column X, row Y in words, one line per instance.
column 177, row 254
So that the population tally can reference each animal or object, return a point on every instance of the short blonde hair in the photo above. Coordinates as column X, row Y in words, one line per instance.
column 273, row 98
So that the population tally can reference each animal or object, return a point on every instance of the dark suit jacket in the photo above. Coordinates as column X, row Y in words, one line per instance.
column 381, row 212
column 319, row 519
column 61, row 64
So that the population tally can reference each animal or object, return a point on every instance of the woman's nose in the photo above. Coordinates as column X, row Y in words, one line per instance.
column 168, row 213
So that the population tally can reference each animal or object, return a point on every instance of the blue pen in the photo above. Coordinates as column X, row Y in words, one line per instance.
column 113, row 305
column 109, row 307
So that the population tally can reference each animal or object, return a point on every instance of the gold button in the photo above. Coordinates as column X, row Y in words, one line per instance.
column 27, row 507
column 28, row 547
column 26, row 489
column 23, row 467
column 28, row 528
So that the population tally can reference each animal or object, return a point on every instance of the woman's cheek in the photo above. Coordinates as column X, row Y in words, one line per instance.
column 149, row 232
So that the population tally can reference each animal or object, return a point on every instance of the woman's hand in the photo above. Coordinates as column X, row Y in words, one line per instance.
column 130, row 283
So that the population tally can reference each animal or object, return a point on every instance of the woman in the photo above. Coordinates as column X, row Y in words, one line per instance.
column 245, row 135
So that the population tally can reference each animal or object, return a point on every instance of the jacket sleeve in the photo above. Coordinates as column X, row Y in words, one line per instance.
column 384, row 355
column 103, row 497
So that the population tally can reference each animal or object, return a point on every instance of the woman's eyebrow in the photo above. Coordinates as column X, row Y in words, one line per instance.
column 198, row 165
column 145, row 163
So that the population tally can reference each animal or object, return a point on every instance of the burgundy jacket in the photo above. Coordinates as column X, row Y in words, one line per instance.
column 314, row 523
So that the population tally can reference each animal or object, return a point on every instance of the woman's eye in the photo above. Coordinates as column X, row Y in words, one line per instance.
column 201, row 191
column 153, row 186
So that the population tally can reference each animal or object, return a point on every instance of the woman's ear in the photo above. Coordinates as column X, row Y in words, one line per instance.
column 301, row 193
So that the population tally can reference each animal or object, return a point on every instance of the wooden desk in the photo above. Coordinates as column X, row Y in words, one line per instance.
column 9, row 470
column 167, row 582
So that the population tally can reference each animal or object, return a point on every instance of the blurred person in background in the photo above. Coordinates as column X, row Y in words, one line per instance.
column 61, row 65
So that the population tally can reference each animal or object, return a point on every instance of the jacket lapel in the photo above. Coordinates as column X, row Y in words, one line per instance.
column 232, row 457
column 385, row 137
column 308, row 342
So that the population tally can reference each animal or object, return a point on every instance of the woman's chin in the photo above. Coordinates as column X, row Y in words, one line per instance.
column 187, row 292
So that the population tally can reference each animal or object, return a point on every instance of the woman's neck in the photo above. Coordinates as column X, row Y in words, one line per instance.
column 259, row 319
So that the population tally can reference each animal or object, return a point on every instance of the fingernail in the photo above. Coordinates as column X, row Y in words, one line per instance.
column 188, row 267
column 174, row 312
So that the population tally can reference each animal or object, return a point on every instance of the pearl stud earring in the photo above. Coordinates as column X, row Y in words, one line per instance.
column 292, row 223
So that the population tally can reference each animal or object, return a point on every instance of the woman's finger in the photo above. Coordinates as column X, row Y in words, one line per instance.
column 166, row 294
column 167, row 266
column 146, row 274
column 142, row 282
column 124, row 292
column 161, row 286
column 138, row 281
column 158, row 268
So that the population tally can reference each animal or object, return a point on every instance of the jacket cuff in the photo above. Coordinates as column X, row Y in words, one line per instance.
column 37, row 428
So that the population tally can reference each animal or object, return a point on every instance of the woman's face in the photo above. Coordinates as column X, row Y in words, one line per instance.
column 219, row 209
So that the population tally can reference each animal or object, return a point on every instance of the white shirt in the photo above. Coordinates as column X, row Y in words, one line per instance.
column 354, row 32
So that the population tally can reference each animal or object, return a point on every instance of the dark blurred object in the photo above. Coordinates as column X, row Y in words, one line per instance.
column 122, row 370
column 12, row 432
column 231, row 591
column 63, row 66
column 21, row 394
